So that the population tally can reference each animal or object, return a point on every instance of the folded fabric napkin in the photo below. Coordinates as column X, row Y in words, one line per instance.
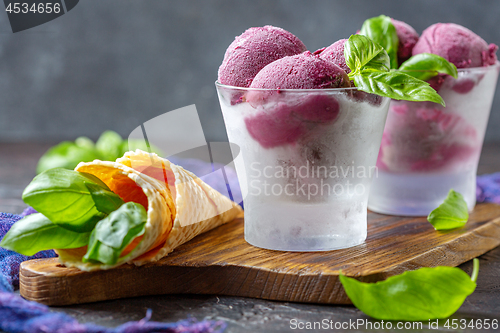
column 9, row 260
column 488, row 188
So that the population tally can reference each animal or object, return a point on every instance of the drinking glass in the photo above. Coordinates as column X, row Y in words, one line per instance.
column 428, row 149
column 305, row 163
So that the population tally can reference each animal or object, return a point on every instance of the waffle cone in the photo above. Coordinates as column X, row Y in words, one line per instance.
column 179, row 205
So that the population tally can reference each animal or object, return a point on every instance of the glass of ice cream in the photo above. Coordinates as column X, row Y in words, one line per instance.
column 308, row 138
column 428, row 149
column 306, row 160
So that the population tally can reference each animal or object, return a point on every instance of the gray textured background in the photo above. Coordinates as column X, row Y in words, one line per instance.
column 114, row 64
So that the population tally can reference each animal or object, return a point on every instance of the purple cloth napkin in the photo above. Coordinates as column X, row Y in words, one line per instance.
column 9, row 260
column 488, row 188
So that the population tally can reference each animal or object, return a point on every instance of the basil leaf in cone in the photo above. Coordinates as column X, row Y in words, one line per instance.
column 73, row 200
column 114, row 233
column 36, row 233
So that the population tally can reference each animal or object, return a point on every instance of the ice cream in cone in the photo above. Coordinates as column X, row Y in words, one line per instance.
column 179, row 206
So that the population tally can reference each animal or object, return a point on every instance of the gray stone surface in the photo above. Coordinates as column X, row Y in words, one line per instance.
column 114, row 64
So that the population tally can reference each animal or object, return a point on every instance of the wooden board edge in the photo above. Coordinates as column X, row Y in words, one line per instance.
column 486, row 237
column 268, row 284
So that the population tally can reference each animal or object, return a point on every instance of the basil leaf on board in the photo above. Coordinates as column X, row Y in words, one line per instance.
column 381, row 30
column 361, row 53
column 66, row 155
column 63, row 197
column 422, row 294
column 115, row 232
column 36, row 232
column 109, row 146
column 423, row 66
column 452, row 213
column 396, row 85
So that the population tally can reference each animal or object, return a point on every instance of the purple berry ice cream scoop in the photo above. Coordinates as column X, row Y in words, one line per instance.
column 279, row 120
column 253, row 50
column 456, row 44
column 301, row 71
column 335, row 54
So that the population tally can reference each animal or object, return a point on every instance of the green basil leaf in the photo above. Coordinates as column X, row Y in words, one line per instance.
column 36, row 233
column 381, row 30
column 361, row 53
column 66, row 155
column 105, row 200
column 85, row 142
column 426, row 293
column 100, row 253
column 396, row 85
column 109, row 145
column 452, row 213
column 64, row 198
column 423, row 66
column 369, row 64
column 115, row 232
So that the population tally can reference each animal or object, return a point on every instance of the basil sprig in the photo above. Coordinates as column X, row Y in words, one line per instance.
column 369, row 64
column 363, row 56
column 115, row 232
column 423, row 66
column 73, row 200
column 452, row 213
column 76, row 209
column 422, row 294
column 108, row 147
column 381, row 30
column 36, row 233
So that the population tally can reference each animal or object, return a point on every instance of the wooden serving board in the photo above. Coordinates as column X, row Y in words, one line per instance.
column 220, row 262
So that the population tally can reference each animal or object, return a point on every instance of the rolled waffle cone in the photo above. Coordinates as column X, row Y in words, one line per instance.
column 179, row 205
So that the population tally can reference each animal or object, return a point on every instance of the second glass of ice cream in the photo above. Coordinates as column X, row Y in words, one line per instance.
column 428, row 149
